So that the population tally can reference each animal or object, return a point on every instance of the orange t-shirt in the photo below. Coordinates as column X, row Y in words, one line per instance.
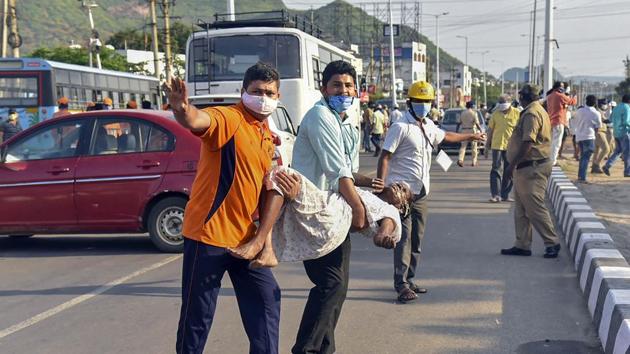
column 236, row 154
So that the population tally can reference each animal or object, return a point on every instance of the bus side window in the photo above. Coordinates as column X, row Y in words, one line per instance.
column 316, row 74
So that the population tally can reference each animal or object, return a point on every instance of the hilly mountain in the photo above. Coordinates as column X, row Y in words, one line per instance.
column 61, row 22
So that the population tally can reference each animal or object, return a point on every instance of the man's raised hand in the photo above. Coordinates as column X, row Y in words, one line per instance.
column 177, row 94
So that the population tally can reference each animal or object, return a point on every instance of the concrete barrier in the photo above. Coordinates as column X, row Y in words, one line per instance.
column 603, row 272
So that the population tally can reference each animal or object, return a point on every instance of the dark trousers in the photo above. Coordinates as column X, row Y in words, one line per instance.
column 376, row 140
column 257, row 294
column 499, row 157
column 330, row 275
column 586, row 150
column 407, row 251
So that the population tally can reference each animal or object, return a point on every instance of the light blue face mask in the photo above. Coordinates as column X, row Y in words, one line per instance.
column 340, row 103
column 421, row 109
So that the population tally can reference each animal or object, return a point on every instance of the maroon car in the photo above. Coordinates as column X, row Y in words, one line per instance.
column 120, row 171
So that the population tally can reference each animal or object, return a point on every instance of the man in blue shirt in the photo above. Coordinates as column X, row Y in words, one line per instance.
column 326, row 152
column 620, row 118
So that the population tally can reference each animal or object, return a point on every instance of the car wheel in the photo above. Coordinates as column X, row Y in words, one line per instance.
column 166, row 220
column 21, row 236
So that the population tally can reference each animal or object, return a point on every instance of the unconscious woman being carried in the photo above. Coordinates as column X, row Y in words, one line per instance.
column 316, row 222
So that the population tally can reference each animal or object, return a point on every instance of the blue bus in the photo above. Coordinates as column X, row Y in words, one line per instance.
column 31, row 87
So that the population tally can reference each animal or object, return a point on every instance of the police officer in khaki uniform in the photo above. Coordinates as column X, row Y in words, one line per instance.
column 529, row 155
column 469, row 125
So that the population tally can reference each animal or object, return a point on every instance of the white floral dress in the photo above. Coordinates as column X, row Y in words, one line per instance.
column 316, row 222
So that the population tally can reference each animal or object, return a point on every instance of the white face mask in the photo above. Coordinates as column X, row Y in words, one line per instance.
column 503, row 106
column 262, row 105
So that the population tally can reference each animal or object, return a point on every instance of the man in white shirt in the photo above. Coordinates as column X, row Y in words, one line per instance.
column 396, row 115
column 406, row 157
column 587, row 121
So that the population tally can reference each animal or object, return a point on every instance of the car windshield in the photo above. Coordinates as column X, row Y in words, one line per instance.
column 451, row 117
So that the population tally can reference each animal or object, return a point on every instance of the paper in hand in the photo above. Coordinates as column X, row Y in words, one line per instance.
column 443, row 160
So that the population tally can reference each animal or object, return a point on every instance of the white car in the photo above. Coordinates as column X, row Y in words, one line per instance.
column 280, row 124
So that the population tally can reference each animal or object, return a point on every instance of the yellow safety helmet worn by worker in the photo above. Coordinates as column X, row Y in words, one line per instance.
column 420, row 95
column 421, row 90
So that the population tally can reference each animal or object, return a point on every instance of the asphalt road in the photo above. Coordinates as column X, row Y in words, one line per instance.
column 116, row 294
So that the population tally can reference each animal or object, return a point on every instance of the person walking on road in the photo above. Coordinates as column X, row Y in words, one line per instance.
column 378, row 128
column 602, row 149
column 366, row 127
column 557, row 103
column 326, row 153
column 236, row 153
column 469, row 125
column 587, row 122
column 502, row 123
column 11, row 126
column 529, row 156
column 62, row 104
column 620, row 118
column 396, row 115
column 406, row 157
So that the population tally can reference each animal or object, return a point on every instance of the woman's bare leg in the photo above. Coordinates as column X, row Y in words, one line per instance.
column 383, row 237
column 272, row 205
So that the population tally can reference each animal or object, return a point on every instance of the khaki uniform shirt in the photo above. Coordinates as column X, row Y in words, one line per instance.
column 469, row 121
column 534, row 125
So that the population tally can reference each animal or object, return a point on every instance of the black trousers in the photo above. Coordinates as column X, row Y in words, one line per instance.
column 257, row 294
column 330, row 275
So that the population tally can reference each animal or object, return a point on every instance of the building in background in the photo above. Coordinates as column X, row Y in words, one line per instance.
column 146, row 59
column 456, row 85
column 410, row 61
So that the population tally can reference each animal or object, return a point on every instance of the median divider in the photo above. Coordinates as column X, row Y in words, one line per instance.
column 603, row 272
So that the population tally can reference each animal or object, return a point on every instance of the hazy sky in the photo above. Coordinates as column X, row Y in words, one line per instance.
column 594, row 35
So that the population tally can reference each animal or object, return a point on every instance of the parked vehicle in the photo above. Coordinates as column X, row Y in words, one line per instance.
column 280, row 123
column 99, row 172
column 452, row 123
column 218, row 56
column 31, row 86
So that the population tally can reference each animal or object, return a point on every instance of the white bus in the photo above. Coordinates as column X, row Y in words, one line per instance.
column 229, row 48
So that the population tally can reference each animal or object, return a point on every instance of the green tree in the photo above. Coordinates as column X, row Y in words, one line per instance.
column 109, row 58
column 142, row 40
column 623, row 88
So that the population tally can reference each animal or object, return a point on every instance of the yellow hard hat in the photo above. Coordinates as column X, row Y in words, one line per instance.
column 421, row 90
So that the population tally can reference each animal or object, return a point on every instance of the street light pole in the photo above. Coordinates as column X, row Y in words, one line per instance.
column 392, row 55
column 502, row 74
column 466, row 56
column 483, row 68
column 437, row 59
column 548, row 45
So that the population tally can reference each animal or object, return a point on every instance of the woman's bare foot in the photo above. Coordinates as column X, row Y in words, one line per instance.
column 266, row 258
column 248, row 250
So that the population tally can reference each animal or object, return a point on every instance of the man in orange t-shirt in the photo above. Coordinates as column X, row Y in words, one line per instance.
column 557, row 103
column 236, row 153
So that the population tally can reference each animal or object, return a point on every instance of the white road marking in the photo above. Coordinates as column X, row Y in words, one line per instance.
column 79, row 299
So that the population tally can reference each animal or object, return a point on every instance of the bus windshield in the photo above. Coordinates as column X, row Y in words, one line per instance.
column 19, row 91
column 232, row 55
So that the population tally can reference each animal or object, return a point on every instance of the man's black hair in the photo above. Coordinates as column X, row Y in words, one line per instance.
column 146, row 104
column 556, row 85
column 338, row 67
column 63, row 106
column 261, row 72
column 626, row 98
column 591, row 100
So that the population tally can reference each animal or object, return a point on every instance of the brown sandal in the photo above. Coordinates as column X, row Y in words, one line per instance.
column 406, row 295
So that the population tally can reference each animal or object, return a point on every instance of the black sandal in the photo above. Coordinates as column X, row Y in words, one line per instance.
column 406, row 295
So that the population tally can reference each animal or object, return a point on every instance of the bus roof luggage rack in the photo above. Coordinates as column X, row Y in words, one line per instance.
column 277, row 18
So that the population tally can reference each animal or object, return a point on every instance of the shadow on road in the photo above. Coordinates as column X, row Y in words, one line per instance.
column 76, row 245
